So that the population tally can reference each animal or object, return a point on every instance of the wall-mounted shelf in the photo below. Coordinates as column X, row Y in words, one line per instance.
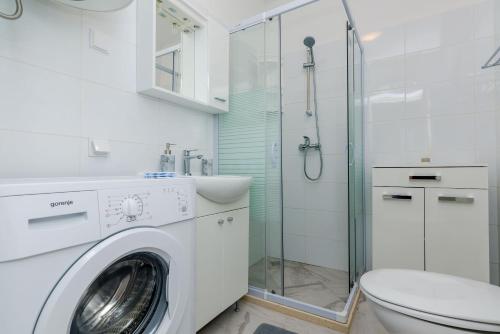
column 494, row 60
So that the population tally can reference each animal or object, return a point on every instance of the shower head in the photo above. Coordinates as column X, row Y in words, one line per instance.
column 309, row 41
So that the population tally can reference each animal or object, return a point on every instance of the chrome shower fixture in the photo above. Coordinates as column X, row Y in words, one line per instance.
column 310, row 67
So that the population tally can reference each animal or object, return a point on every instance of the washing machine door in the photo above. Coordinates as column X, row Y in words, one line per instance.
column 135, row 281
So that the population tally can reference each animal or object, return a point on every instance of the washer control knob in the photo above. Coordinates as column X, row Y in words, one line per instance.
column 131, row 207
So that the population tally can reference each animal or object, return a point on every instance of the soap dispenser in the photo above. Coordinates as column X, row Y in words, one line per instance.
column 167, row 160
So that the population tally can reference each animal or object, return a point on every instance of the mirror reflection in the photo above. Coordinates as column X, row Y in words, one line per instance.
column 175, row 39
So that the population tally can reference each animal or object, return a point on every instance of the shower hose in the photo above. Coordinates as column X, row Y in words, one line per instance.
column 318, row 148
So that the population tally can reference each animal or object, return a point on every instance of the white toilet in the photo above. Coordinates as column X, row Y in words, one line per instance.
column 416, row 302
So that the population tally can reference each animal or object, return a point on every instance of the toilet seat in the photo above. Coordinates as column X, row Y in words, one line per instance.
column 437, row 298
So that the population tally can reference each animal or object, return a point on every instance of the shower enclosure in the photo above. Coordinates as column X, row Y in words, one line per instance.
column 296, row 126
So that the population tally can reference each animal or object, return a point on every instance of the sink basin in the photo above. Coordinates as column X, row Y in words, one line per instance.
column 222, row 189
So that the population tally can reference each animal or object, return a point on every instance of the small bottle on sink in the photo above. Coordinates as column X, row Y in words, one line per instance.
column 167, row 160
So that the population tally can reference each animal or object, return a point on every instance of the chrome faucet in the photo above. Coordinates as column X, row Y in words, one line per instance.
column 307, row 145
column 187, row 160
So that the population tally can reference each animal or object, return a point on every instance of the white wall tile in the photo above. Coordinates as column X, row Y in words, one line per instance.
column 293, row 194
column 35, row 99
column 28, row 154
column 44, row 91
column 454, row 132
column 126, row 158
column 331, row 196
column 47, row 35
column 295, row 247
column 293, row 221
column 385, row 73
column 484, row 18
column 326, row 224
column 386, row 105
column 390, row 43
column 327, row 253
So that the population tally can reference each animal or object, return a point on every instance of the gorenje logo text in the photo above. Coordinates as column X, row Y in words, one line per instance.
column 67, row 203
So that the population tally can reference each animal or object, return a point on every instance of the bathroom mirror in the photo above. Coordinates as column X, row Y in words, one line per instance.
column 175, row 48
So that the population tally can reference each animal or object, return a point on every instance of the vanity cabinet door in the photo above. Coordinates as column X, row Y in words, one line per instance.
column 222, row 262
column 456, row 232
column 398, row 228
column 209, row 269
column 218, row 63
column 236, row 238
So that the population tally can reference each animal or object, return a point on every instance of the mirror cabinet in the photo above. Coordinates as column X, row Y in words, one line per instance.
column 182, row 55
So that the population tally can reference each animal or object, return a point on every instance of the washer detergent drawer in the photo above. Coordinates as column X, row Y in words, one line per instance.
column 36, row 224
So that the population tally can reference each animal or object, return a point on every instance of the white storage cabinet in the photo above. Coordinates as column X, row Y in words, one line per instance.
column 432, row 218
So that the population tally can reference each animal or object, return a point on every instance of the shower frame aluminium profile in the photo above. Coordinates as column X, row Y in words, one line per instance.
column 262, row 17
column 343, row 315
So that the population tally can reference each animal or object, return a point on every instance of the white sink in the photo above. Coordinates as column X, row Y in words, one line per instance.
column 222, row 189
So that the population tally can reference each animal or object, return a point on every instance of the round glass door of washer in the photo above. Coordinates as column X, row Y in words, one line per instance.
column 127, row 297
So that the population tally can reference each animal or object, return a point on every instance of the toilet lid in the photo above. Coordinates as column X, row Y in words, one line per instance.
column 433, row 293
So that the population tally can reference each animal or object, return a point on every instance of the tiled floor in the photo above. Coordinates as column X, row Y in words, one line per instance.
column 251, row 316
column 320, row 286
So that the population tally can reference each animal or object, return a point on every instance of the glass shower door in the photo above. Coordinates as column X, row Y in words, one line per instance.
column 250, row 144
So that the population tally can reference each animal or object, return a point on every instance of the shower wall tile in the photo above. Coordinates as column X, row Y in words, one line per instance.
column 295, row 247
column 294, row 221
column 327, row 253
column 451, row 107
column 315, row 214
column 56, row 92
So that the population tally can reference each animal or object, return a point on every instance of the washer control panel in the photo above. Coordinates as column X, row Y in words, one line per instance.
column 153, row 206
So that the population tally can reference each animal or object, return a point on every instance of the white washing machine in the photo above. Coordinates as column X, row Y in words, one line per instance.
column 111, row 255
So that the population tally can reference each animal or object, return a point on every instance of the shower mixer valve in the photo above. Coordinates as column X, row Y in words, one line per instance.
column 307, row 145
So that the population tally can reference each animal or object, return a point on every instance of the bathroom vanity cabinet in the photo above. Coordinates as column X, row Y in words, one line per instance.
column 222, row 256
column 432, row 218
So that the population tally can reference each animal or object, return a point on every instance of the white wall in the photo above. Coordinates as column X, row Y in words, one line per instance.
column 315, row 213
column 56, row 93
column 427, row 95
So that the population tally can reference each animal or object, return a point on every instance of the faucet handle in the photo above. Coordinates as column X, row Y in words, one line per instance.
column 187, row 152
